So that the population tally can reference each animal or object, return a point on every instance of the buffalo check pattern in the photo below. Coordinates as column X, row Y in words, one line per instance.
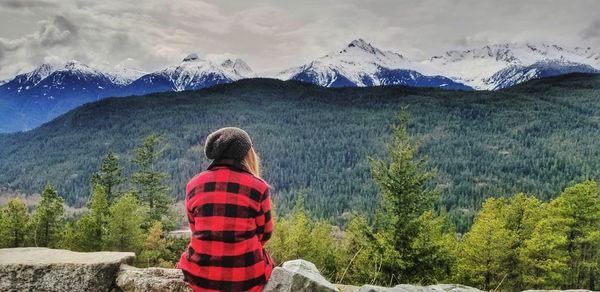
column 229, row 214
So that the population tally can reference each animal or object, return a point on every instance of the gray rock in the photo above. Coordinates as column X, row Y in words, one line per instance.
column 132, row 279
column 411, row 288
column 347, row 288
column 298, row 276
column 44, row 269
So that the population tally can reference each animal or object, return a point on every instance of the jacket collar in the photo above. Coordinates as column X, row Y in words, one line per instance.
column 228, row 162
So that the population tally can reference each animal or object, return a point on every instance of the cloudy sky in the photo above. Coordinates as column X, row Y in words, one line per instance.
column 274, row 35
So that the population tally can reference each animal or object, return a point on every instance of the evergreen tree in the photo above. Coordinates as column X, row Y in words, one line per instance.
column 323, row 249
column 14, row 224
column 405, row 194
column 149, row 181
column 88, row 233
column 154, row 246
column 360, row 260
column 296, row 241
column 434, row 249
column 522, row 215
column 544, row 256
column 579, row 205
column 124, row 220
column 485, row 250
column 109, row 176
column 48, row 218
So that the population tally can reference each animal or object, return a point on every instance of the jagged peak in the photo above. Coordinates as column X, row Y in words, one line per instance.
column 363, row 45
column 191, row 58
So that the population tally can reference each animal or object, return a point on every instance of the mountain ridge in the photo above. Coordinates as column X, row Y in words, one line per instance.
column 31, row 98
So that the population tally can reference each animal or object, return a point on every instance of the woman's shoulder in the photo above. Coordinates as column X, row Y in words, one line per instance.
column 254, row 181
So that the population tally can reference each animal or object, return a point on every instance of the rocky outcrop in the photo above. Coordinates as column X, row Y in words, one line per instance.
column 298, row 275
column 132, row 279
column 44, row 269
column 411, row 288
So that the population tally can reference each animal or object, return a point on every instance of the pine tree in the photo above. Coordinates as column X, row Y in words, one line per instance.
column 48, row 218
column 405, row 194
column 522, row 215
column 323, row 248
column 123, row 229
column 149, row 181
column 579, row 205
column 88, row 233
column 154, row 246
column 433, row 249
column 485, row 250
column 109, row 176
column 14, row 224
column 543, row 256
column 360, row 260
column 297, row 242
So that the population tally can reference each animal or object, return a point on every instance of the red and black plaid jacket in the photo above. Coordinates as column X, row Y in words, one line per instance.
column 229, row 213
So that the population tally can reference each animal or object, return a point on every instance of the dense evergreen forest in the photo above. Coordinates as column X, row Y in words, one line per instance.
column 515, row 243
column 536, row 138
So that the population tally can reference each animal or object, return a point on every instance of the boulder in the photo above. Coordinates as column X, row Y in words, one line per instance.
column 411, row 288
column 298, row 275
column 44, row 269
column 347, row 288
column 132, row 279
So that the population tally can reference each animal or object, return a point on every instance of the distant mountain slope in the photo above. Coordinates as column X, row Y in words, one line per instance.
column 192, row 73
column 536, row 137
column 361, row 64
column 33, row 98
column 504, row 65
column 48, row 91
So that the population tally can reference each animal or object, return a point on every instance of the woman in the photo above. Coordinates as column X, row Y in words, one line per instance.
column 229, row 213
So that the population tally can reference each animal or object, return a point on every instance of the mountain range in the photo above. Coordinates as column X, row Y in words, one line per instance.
column 32, row 98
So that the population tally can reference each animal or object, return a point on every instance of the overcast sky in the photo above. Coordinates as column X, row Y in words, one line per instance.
column 274, row 35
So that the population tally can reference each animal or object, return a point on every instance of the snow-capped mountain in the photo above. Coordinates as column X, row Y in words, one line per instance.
column 124, row 76
column 50, row 90
column 361, row 64
column 191, row 73
column 504, row 65
column 32, row 98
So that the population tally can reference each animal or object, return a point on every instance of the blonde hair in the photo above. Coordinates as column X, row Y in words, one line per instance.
column 252, row 162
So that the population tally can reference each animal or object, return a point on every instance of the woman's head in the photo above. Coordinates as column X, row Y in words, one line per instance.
column 232, row 143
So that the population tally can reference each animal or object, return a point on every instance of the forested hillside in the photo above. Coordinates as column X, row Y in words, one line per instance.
column 535, row 138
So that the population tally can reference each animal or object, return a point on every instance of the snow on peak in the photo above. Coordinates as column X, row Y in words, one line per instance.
column 122, row 75
column 358, row 61
column 193, row 71
column 475, row 67
column 362, row 45
column 191, row 57
column 39, row 73
column 76, row 67
column 238, row 67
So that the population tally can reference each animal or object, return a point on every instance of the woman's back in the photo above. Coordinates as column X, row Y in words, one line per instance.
column 228, row 210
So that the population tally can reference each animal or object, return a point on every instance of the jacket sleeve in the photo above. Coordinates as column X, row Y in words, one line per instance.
column 264, row 222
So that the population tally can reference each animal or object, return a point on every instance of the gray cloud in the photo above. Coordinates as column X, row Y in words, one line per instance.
column 59, row 31
column 592, row 31
column 21, row 4
column 274, row 34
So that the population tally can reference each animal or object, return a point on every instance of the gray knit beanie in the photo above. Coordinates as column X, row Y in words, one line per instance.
column 229, row 142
